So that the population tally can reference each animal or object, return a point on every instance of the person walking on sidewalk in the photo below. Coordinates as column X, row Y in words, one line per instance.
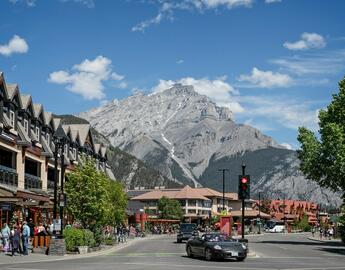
column 26, row 235
column 15, row 239
column 6, row 237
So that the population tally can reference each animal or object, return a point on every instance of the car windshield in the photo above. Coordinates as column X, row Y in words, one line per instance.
column 217, row 238
column 187, row 227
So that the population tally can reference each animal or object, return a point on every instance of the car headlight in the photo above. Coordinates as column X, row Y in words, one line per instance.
column 217, row 247
column 244, row 246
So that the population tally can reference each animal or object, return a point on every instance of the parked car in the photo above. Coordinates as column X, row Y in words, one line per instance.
column 187, row 230
column 216, row 245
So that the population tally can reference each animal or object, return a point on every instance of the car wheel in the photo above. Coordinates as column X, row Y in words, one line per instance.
column 189, row 252
column 179, row 241
column 208, row 255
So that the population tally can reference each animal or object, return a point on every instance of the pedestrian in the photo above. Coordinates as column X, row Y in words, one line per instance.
column 321, row 233
column 313, row 231
column 15, row 239
column 6, row 237
column 25, row 236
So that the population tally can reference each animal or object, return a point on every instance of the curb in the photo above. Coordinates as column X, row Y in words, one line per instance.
column 324, row 241
column 47, row 258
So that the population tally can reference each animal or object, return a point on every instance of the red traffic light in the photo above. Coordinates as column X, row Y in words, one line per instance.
column 244, row 180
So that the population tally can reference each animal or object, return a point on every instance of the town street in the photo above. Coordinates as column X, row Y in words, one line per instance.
column 272, row 251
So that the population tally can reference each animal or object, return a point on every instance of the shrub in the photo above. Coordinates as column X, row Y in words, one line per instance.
column 89, row 239
column 73, row 238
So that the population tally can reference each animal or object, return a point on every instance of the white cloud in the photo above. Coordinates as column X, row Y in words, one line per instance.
column 307, row 41
column 330, row 62
column 87, row 3
column 266, row 79
column 87, row 78
column 280, row 109
column 179, row 62
column 287, row 146
column 29, row 3
column 272, row 1
column 15, row 45
column 167, row 8
column 218, row 90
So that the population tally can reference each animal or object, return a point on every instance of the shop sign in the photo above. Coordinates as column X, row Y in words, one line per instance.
column 57, row 225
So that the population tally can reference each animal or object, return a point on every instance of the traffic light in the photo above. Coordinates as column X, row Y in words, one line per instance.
column 243, row 187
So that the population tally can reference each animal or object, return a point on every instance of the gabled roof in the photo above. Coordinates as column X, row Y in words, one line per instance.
column 185, row 193
column 26, row 101
column 2, row 82
column 189, row 193
column 74, row 135
column 24, row 137
column 97, row 148
column 38, row 109
column 47, row 117
column 47, row 151
column 12, row 91
column 103, row 151
column 208, row 192
column 83, row 130
column 56, row 123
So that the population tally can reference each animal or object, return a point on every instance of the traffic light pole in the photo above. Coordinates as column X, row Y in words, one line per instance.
column 242, row 223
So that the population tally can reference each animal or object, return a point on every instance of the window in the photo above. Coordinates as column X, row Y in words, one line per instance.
column 37, row 133
column 65, row 149
column 75, row 153
column 12, row 116
column 191, row 202
column 191, row 211
column 48, row 138
column 26, row 126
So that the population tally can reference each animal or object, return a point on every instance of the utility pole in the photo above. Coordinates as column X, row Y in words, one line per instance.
column 223, row 170
column 242, row 223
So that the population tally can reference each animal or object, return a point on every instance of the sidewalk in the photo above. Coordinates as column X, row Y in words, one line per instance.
column 35, row 257
column 326, row 240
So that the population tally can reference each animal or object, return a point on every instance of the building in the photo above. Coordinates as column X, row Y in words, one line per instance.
column 27, row 171
column 197, row 203
column 292, row 210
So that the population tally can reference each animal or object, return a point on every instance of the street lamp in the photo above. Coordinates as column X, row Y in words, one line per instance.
column 60, row 139
column 223, row 170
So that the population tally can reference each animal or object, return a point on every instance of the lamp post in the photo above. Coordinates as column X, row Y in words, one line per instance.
column 259, row 213
column 59, row 140
column 223, row 170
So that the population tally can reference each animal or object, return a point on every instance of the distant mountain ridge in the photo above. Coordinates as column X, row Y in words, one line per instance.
column 188, row 137
column 125, row 167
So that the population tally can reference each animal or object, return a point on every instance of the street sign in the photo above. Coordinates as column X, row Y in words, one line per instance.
column 57, row 225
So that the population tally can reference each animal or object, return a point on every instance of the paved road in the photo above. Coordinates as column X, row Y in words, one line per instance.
column 277, row 251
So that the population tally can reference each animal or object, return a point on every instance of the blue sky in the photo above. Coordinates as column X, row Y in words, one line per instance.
column 274, row 63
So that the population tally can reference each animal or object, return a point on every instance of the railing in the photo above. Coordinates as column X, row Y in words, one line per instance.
column 50, row 184
column 8, row 176
column 32, row 181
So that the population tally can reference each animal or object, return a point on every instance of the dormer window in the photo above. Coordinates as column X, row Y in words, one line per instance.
column 12, row 117
column 48, row 138
column 74, row 153
column 37, row 132
column 65, row 149
column 26, row 126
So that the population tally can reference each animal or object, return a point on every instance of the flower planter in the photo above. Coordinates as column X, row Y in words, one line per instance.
column 83, row 249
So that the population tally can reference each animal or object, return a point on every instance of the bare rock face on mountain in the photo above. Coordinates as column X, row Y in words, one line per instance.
column 184, row 135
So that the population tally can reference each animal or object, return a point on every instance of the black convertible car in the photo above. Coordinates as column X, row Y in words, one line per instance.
column 216, row 245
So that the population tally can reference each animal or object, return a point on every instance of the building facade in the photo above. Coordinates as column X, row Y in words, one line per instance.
column 27, row 150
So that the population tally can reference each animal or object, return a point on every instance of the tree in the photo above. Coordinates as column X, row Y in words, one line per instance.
column 94, row 200
column 169, row 208
column 323, row 159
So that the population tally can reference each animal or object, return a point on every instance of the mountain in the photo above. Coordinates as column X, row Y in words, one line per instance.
column 126, row 168
column 188, row 137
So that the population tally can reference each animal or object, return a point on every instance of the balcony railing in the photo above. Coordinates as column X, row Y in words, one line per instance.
column 8, row 176
column 50, row 184
column 32, row 181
